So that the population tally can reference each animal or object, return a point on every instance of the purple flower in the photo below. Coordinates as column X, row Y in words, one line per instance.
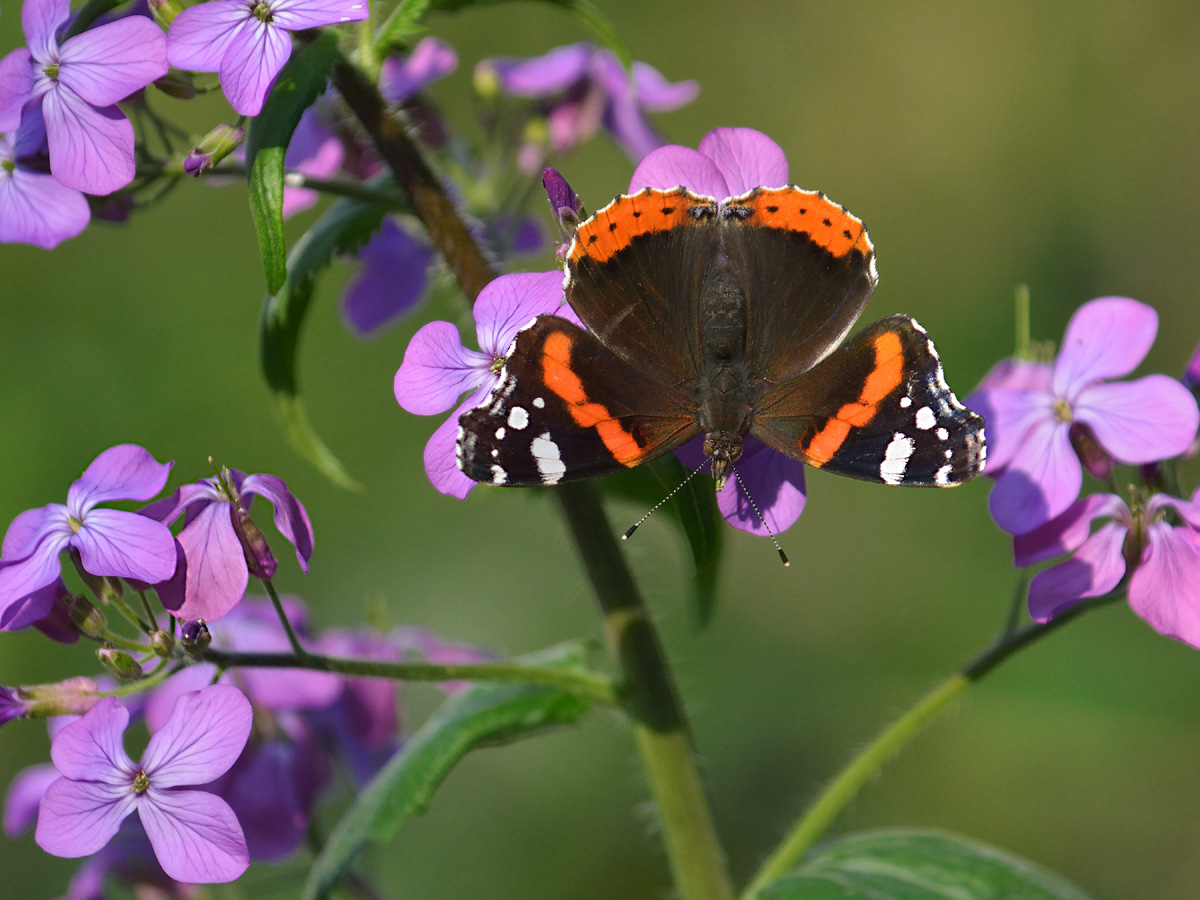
column 108, row 542
column 729, row 162
column 35, row 207
column 584, row 88
column 77, row 86
column 404, row 75
column 24, row 794
column 247, row 41
column 195, row 834
column 1029, row 427
column 219, row 537
column 389, row 282
column 1191, row 375
column 127, row 860
column 313, row 151
column 1164, row 587
column 438, row 369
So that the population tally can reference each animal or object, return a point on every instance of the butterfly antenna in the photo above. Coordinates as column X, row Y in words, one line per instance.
column 638, row 524
column 757, row 512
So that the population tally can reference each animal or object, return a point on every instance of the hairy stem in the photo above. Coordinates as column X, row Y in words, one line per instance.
column 650, row 697
column 839, row 792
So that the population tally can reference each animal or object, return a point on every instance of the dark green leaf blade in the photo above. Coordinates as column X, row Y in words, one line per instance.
column 694, row 511
column 302, row 80
column 486, row 714
column 916, row 865
column 343, row 228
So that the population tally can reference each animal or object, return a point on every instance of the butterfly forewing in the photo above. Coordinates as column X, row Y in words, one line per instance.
column 635, row 276
column 566, row 408
column 877, row 409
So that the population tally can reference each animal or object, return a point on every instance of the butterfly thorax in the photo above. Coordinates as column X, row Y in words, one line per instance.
column 724, row 385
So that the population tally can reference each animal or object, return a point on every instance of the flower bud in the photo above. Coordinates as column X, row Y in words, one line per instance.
column 103, row 589
column 73, row 697
column 487, row 81
column 164, row 12
column 259, row 558
column 89, row 620
column 119, row 663
column 564, row 202
column 213, row 147
column 162, row 643
column 194, row 636
column 180, row 85
column 1094, row 457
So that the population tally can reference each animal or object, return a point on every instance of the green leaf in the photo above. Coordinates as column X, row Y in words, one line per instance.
column 916, row 865
column 486, row 714
column 302, row 80
column 345, row 227
column 401, row 27
column 584, row 10
column 693, row 509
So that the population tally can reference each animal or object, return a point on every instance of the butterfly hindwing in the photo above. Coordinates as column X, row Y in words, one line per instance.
column 878, row 409
column 565, row 408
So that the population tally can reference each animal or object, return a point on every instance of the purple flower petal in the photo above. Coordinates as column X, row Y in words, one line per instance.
column 195, row 836
column 1012, row 372
column 296, row 15
column 92, row 747
column 126, row 545
column 369, row 703
column 185, row 498
column 402, row 77
column 775, row 484
column 37, row 209
column 511, row 302
column 256, row 53
column 1068, row 531
column 77, row 818
column 673, row 165
column 200, row 741
column 543, row 75
column 437, row 370
column 1095, row 569
column 747, row 158
column 656, row 94
column 1043, row 479
column 91, row 149
column 123, row 472
column 16, row 86
column 313, row 151
column 1189, row 512
column 257, row 629
column 390, row 281
column 30, row 528
column 24, row 794
column 105, row 65
column 201, row 34
column 624, row 120
column 45, row 609
column 1140, row 421
column 439, row 455
column 291, row 518
column 1106, row 338
column 40, row 19
column 216, row 565
column 1164, row 587
column 264, row 791
column 1191, row 375
column 1010, row 414
column 20, row 578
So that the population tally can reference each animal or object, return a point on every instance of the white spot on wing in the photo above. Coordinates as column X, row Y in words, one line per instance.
column 539, row 402
column 943, row 434
column 942, row 478
column 549, row 462
column 925, row 418
column 500, row 433
column 499, row 476
column 895, row 458
column 518, row 418
column 905, row 402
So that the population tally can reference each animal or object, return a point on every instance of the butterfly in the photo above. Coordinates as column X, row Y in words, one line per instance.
column 723, row 319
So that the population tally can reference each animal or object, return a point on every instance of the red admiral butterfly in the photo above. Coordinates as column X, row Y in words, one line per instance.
column 723, row 319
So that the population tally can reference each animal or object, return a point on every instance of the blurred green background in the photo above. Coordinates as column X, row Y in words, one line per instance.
column 984, row 145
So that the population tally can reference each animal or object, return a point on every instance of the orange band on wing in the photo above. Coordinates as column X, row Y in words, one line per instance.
column 556, row 369
column 827, row 224
column 884, row 378
column 613, row 228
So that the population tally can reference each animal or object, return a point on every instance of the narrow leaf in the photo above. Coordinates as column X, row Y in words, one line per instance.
column 916, row 865
column 302, row 80
column 486, row 714
column 401, row 27
column 344, row 228
column 693, row 510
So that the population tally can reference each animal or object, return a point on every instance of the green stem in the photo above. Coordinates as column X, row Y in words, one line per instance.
column 838, row 794
column 1023, row 347
column 588, row 684
column 297, row 647
column 124, row 643
column 652, row 702
column 155, row 678
column 338, row 187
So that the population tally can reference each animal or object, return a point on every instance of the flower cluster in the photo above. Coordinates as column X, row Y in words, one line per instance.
column 1049, row 421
